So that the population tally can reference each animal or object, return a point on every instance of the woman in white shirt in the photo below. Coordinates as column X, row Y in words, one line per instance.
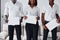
column 32, row 29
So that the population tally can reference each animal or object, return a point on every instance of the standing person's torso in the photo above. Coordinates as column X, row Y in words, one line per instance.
column 14, row 13
column 32, row 11
column 50, row 12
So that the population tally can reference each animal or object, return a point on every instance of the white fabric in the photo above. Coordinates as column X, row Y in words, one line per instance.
column 3, row 35
column 31, row 19
column 32, row 11
column 14, row 12
column 5, row 27
column 50, row 12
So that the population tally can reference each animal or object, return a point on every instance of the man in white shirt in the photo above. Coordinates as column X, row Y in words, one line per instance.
column 14, row 14
column 49, row 13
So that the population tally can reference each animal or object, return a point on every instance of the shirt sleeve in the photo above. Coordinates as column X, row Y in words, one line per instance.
column 43, row 9
column 6, row 11
column 25, row 11
column 58, row 11
column 38, row 12
column 21, row 11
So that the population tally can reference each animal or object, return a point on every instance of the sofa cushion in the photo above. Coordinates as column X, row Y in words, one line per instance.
column 58, row 29
column 5, row 27
column 3, row 35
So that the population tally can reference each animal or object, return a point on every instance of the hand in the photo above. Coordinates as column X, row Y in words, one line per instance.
column 58, row 20
column 6, row 20
column 25, row 17
column 37, row 18
column 44, row 27
column 21, row 21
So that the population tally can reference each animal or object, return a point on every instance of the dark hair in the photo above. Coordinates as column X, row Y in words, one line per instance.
column 34, row 4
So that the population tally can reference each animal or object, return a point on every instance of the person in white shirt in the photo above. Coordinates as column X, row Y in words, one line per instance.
column 50, row 12
column 32, row 29
column 14, row 15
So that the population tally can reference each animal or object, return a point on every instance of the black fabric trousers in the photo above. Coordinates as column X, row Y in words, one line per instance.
column 54, row 33
column 32, row 31
column 11, row 31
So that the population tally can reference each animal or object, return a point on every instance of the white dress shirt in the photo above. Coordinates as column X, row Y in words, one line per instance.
column 32, row 11
column 50, row 12
column 14, row 12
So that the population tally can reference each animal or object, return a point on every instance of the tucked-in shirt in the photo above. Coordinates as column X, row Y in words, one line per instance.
column 50, row 12
column 14, row 12
column 32, row 11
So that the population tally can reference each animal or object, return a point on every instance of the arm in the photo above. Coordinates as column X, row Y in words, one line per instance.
column 43, row 21
column 58, row 19
column 57, row 15
column 21, row 20
column 42, row 18
column 38, row 14
column 6, row 13
column 6, row 20
column 43, row 15
column 21, row 13
column 25, row 13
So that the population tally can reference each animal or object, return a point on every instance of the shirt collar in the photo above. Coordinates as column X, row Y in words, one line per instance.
column 12, row 2
column 31, row 8
column 53, row 6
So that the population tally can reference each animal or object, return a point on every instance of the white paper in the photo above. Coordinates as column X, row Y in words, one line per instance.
column 52, row 24
column 31, row 19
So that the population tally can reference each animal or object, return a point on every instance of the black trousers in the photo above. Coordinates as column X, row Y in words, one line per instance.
column 11, row 31
column 54, row 33
column 32, row 31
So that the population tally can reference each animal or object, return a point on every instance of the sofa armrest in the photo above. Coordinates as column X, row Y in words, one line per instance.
column 3, row 35
column 58, row 29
